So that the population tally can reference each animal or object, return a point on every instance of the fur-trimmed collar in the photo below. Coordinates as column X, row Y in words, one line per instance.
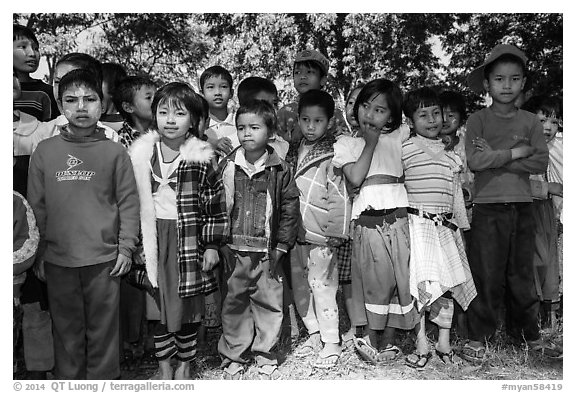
column 193, row 150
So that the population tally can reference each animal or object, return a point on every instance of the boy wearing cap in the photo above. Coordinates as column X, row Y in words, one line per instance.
column 310, row 72
column 504, row 145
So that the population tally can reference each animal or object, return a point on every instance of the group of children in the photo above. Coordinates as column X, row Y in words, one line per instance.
column 211, row 216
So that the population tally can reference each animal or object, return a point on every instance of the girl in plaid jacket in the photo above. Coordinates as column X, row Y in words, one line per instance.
column 183, row 221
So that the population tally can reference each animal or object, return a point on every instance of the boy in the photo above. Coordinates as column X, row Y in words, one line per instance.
column 504, row 145
column 325, row 212
column 87, row 179
column 257, row 88
column 262, row 202
column 310, row 72
column 112, row 75
column 133, row 98
column 37, row 98
column 216, row 86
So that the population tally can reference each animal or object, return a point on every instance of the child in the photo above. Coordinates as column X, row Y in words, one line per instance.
column 439, row 270
column 183, row 221
column 257, row 88
column 350, row 101
column 310, row 72
column 216, row 86
column 380, row 282
column 133, row 98
column 112, row 74
column 547, row 191
column 262, row 202
column 88, row 179
column 503, row 146
column 36, row 98
column 324, row 225
column 70, row 62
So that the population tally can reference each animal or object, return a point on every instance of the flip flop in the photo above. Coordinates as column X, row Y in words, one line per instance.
column 366, row 351
column 309, row 347
column 446, row 357
column 472, row 354
column 546, row 348
column 417, row 360
column 327, row 361
column 268, row 372
column 384, row 357
column 234, row 371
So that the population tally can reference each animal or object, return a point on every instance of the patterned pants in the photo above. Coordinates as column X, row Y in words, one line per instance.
column 315, row 283
column 180, row 345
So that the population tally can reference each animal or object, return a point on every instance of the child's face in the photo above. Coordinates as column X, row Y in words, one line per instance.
column 269, row 97
column 451, row 122
column 252, row 132
column 505, row 82
column 306, row 78
column 217, row 92
column 61, row 70
column 26, row 56
column 174, row 122
column 374, row 114
column 350, row 107
column 141, row 106
column 550, row 125
column 427, row 121
column 313, row 122
column 82, row 107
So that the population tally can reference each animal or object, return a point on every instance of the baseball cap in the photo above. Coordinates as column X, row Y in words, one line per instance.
column 475, row 79
column 315, row 56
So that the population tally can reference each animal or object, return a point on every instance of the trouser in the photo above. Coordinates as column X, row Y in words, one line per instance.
column 501, row 261
column 85, row 314
column 180, row 345
column 252, row 310
column 314, row 284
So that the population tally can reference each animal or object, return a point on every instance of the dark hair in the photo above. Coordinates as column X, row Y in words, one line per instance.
column 251, row 86
column 455, row 101
column 20, row 32
column 179, row 94
column 393, row 96
column 505, row 58
column 205, row 109
column 420, row 98
column 263, row 109
column 79, row 77
column 113, row 73
column 317, row 98
column 126, row 90
column 550, row 106
column 310, row 64
column 215, row 71
column 360, row 85
column 83, row 61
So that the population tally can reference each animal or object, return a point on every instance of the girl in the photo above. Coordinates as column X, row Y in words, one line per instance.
column 380, row 288
column 183, row 221
column 350, row 101
column 439, row 269
column 547, row 192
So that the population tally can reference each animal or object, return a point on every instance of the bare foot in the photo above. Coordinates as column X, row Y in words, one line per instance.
column 182, row 371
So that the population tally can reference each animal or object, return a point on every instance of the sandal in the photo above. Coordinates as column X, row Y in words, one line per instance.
column 417, row 360
column 388, row 354
column 234, row 371
column 366, row 351
column 326, row 361
column 545, row 348
column 310, row 346
column 473, row 354
column 268, row 372
column 446, row 357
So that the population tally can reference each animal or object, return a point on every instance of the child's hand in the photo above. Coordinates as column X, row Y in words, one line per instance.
column 224, row 146
column 210, row 259
column 555, row 189
column 123, row 264
column 275, row 266
column 481, row 144
column 522, row 152
column 371, row 136
column 334, row 241
column 39, row 270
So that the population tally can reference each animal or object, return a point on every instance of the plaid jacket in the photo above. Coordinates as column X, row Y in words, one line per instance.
column 200, row 200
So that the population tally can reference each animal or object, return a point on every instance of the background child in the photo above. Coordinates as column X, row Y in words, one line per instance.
column 216, row 86
column 310, row 72
column 87, row 178
column 112, row 74
column 37, row 98
column 439, row 270
column 503, row 146
column 547, row 190
column 350, row 101
column 263, row 228
column 324, row 225
column 133, row 98
column 183, row 221
column 380, row 282
column 257, row 88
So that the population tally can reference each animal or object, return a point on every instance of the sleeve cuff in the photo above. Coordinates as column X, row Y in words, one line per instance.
column 282, row 247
